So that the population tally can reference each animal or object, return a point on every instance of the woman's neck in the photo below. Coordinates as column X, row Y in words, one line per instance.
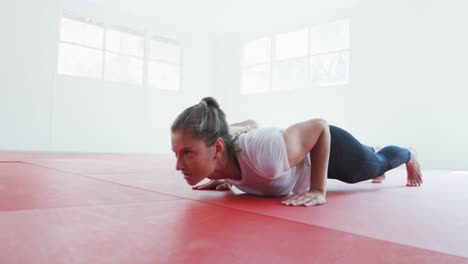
column 228, row 168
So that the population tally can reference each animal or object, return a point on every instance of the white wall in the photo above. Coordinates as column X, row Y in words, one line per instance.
column 28, row 31
column 407, row 83
column 407, row 79
column 42, row 111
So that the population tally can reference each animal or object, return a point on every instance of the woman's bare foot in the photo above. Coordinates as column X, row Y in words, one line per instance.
column 380, row 178
column 413, row 170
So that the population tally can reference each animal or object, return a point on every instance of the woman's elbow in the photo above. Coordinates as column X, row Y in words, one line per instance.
column 252, row 123
column 319, row 123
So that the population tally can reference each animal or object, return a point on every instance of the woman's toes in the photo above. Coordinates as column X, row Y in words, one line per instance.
column 378, row 179
column 412, row 183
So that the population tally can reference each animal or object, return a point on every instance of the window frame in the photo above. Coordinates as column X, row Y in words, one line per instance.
column 103, row 50
column 272, row 60
column 76, row 44
column 177, row 65
column 116, row 53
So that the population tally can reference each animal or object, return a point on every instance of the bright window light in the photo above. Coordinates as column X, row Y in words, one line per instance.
column 106, row 53
column 257, row 51
column 164, row 65
column 80, row 49
column 165, row 51
column 290, row 74
column 329, row 37
column 124, row 43
column 257, row 67
column 79, row 61
column 124, row 57
column 292, row 45
column 78, row 32
column 256, row 79
column 124, row 69
column 329, row 47
column 305, row 58
column 329, row 69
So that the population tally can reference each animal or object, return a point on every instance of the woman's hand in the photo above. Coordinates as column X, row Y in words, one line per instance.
column 311, row 136
column 218, row 185
column 309, row 198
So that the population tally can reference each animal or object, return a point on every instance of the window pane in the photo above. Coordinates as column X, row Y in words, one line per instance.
column 330, row 69
column 292, row 44
column 165, row 51
column 79, row 61
column 163, row 75
column 256, row 79
column 257, row 51
column 123, row 69
column 81, row 33
column 124, row 43
column 290, row 74
column 329, row 37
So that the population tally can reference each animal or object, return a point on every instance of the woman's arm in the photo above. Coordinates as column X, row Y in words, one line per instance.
column 240, row 127
column 246, row 123
column 312, row 137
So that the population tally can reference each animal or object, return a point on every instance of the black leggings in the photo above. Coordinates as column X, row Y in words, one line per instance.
column 351, row 161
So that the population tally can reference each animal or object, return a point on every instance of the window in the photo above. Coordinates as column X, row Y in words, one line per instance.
column 80, row 49
column 124, row 57
column 315, row 56
column 290, row 60
column 329, row 49
column 256, row 74
column 164, row 64
column 92, row 50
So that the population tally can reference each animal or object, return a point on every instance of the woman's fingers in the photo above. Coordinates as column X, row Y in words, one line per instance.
column 311, row 203
column 289, row 199
column 305, row 199
column 207, row 186
column 213, row 185
column 223, row 187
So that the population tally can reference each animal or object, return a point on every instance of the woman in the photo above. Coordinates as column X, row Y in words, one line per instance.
column 275, row 162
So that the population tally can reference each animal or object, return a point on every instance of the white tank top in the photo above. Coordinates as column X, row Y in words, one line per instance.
column 264, row 165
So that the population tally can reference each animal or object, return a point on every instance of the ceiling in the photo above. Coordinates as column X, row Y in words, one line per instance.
column 219, row 17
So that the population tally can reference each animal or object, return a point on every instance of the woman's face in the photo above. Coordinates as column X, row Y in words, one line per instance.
column 195, row 159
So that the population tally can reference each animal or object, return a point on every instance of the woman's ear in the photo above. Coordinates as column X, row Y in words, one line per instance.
column 219, row 148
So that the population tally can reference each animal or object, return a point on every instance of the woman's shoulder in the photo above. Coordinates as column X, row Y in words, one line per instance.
column 261, row 138
column 264, row 150
column 262, row 132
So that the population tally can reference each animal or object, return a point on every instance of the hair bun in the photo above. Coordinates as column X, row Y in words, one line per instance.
column 211, row 102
